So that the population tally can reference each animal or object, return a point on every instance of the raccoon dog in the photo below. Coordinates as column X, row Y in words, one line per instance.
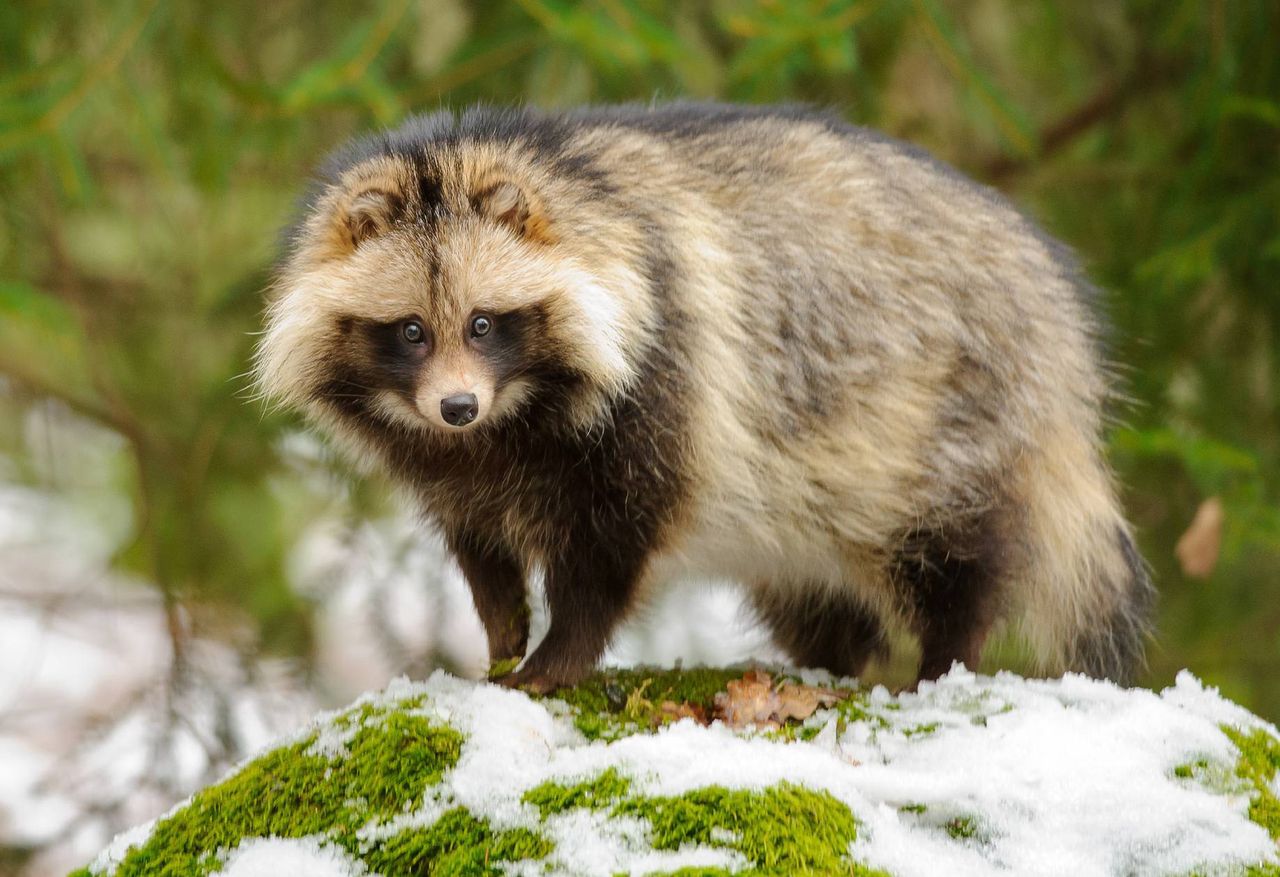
column 622, row 345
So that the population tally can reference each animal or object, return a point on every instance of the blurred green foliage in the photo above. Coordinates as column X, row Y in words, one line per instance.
column 149, row 153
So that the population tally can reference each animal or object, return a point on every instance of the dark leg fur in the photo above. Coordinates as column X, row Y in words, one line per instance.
column 951, row 584
column 816, row 629
column 954, row 619
column 588, row 592
column 498, row 589
column 1113, row 647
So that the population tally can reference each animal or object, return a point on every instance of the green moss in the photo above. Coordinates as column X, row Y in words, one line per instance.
column 962, row 827
column 593, row 794
column 456, row 844
column 784, row 829
column 956, row 826
column 921, row 730
column 368, row 713
column 1213, row 775
column 503, row 667
column 853, row 710
column 289, row 793
column 1265, row 810
column 1259, row 761
column 692, row 872
column 618, row 702
column 1192, row 769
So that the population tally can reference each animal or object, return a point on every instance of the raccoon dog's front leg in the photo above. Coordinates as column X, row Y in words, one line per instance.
column 498, row 589
column 588, row 590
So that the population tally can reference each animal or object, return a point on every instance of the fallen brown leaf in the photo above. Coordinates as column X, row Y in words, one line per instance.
column 673, row 711
column 800, row 701
column 753, row 700
column 1197, row 551
column 747, row 701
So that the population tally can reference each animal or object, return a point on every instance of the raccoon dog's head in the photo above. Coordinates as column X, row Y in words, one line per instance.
column 437, row 292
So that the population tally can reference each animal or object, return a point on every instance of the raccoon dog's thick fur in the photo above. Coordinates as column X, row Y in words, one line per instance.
column 622, row 345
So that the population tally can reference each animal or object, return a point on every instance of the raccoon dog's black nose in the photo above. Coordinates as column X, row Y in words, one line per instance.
column 459, row 410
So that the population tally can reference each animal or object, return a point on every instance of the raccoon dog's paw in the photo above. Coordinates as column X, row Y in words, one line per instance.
column 537, row 681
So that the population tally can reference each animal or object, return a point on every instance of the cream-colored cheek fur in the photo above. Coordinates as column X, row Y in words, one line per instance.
column 289, row 360
column 510, row 400
column 382, row 280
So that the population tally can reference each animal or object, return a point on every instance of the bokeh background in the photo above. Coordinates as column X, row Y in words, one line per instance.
column 184, row 574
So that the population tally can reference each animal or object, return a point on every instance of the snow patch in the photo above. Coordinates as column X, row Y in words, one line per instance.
column 305, row 857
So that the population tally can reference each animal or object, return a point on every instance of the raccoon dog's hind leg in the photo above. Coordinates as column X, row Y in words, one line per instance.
column 819, row 628
column 950, row 577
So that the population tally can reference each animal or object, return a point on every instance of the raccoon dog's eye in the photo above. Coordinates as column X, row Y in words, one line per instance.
column 413, row 332
column 480, row 326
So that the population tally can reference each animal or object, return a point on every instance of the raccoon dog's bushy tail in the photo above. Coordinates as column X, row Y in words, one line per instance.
column 1089, row 596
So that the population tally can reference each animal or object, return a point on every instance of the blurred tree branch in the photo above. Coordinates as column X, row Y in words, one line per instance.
column 1108, row 102
column 28, row 379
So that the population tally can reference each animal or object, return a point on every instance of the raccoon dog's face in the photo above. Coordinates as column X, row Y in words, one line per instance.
column 436, row 303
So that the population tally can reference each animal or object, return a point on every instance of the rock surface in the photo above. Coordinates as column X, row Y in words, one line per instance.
column 638, row 772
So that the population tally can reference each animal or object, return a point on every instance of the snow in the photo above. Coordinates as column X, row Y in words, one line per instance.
column 1070, row 776
column 1075, row 778
column 84, row 654
column 273, row 857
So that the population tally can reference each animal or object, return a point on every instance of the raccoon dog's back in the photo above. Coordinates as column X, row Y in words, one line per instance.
column 753, row 343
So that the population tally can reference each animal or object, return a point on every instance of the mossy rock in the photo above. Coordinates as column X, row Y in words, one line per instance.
column 973, row 775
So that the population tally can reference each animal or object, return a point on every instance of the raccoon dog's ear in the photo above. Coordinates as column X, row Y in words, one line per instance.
column 369, row 214
column 509, row 204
